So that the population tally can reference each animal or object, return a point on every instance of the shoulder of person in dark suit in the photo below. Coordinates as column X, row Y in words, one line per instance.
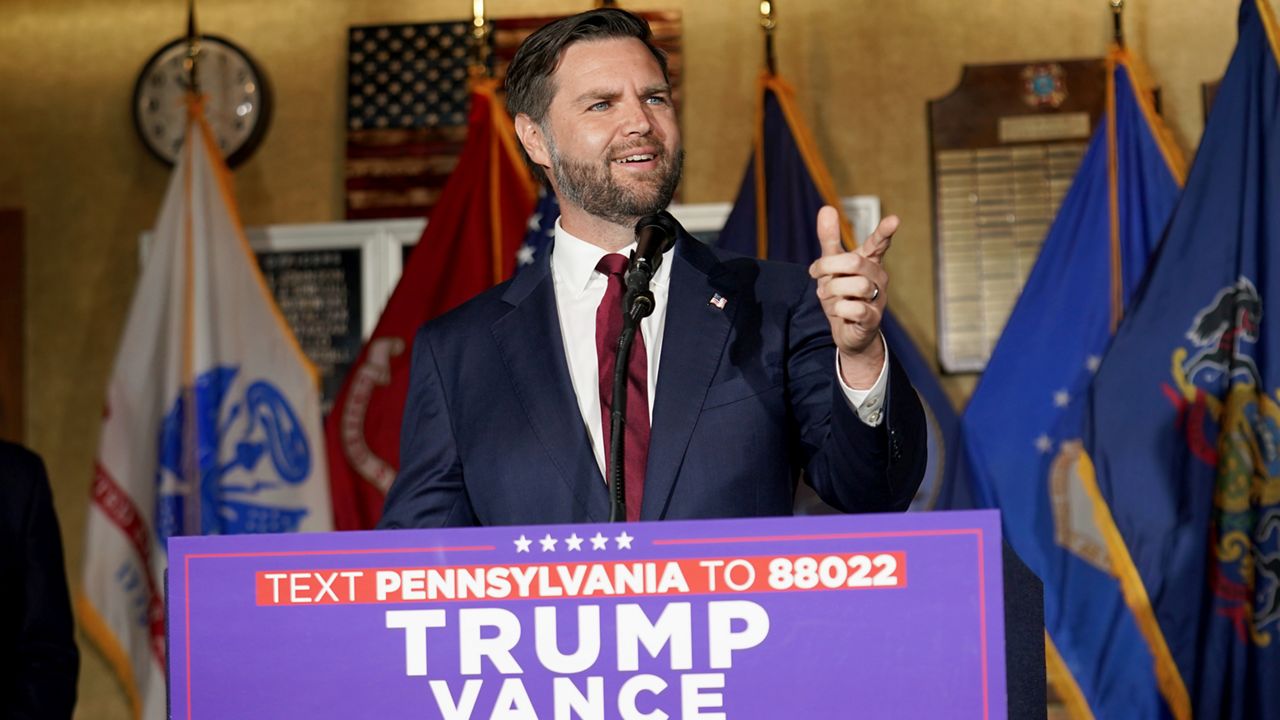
column 39, row 662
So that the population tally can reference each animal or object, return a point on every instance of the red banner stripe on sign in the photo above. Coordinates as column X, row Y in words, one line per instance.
column 689, row 576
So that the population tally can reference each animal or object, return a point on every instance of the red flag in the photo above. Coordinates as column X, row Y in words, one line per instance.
column 468, row 246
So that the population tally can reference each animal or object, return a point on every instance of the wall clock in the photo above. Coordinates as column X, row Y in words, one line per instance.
column 237, row 98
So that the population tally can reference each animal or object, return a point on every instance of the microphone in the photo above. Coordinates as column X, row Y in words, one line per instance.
column 655, row 234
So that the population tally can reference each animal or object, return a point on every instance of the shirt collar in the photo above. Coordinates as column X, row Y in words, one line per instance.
column 574, row 260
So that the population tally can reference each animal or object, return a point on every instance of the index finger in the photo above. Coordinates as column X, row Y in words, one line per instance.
column 878, row 242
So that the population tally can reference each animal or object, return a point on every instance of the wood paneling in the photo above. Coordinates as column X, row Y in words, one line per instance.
column 12, row 335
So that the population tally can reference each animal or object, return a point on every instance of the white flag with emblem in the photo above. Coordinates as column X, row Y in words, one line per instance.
column 211, row 425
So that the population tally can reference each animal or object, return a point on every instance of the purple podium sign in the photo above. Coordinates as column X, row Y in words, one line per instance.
column 870, row 616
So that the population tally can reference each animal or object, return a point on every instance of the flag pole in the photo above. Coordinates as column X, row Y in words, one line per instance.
column 480, row 36
column 1117, row 21
column 193, row 49
column 768, row 24
column 770, row 75
column 190, row 461
column 482, row 83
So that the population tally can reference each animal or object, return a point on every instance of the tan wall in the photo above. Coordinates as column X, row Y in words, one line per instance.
column 863, row 70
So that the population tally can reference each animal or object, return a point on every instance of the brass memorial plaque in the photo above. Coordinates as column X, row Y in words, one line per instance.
column 1005, row 145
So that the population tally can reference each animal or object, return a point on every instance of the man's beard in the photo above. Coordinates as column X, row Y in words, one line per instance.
column 592, row 187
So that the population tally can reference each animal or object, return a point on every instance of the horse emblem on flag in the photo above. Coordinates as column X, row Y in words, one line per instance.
column 234, row 485
column 1231, row 422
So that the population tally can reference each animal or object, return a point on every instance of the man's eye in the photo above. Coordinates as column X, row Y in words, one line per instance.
column 602, row 105
column 656, row 100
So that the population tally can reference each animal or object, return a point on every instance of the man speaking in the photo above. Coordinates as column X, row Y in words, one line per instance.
column 746, row 376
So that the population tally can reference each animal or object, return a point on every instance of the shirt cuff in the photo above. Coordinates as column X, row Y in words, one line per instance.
column 868, row 404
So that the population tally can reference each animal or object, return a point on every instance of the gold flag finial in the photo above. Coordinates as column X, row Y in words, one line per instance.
column 1117, row 21
column 480, row 36
column 193, row 49
column 768, row 24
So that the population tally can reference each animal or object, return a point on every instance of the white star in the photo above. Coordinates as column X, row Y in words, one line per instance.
column 624, row 541
column 1061, row 398
column 534, row 220
column 573, row 542
column 524, row 256
column 1044, row 444
column 1092, row 362
column 599, row 542
column 522, row 544
column 548, row 543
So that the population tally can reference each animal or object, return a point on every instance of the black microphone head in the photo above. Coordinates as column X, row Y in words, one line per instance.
column 659, row 229
column 655, row 234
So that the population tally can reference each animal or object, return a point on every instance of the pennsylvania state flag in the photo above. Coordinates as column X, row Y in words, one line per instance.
column 787, row 172
column 1184, row 422
column 1023, row 426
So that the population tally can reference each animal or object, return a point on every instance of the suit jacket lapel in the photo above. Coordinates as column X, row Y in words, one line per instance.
column 528, row 337
column 692, row 345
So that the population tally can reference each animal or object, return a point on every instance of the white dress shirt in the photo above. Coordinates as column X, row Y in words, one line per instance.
column 578, row 290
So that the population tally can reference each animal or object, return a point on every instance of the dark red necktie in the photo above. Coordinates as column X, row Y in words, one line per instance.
column 608, row 328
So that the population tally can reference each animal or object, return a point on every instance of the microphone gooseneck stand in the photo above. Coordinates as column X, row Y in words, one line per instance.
column 633, row 312
column 655, row 234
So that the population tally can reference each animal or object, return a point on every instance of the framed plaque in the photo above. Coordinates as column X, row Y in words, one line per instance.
column 1004, row 147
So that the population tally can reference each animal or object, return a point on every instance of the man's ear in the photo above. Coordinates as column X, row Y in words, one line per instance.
column 533, row 140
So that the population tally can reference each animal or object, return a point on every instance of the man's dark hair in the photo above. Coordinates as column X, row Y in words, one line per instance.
column 529, row 86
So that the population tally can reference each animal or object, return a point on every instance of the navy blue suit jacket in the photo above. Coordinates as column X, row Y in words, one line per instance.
column 747, row 398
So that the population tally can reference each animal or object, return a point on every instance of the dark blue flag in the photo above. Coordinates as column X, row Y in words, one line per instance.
column 1024, row 424
column 1184, row 423
column 795, row 183
column 787, row 171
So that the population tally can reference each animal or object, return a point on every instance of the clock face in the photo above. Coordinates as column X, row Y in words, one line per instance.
column 237, row 102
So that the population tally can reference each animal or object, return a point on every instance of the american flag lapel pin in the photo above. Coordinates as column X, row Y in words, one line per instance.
column 717, row 301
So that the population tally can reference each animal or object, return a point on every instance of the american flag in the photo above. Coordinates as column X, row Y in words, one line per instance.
column 406, row 115
column 541, row 229
column 407, row 105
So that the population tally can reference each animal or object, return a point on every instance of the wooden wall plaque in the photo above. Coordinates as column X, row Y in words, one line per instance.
column 1004, row 146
